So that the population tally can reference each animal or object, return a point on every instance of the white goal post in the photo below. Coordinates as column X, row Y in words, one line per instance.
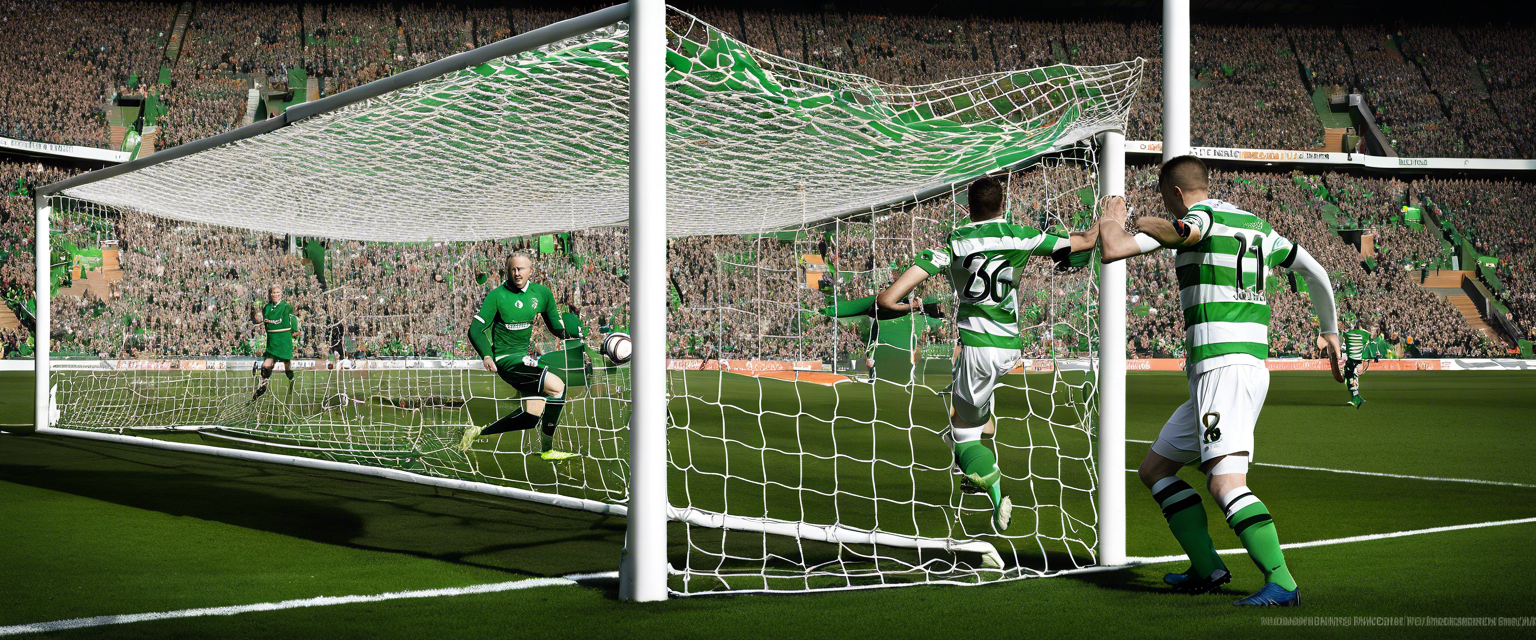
column 1062, row 110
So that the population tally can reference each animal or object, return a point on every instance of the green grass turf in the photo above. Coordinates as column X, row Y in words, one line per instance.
column 95, row 529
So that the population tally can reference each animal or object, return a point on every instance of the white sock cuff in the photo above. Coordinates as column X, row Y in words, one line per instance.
column 968, row 434
column 1163, row 484
column 1234, row 500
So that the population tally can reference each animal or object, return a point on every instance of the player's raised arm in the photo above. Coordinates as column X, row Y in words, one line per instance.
column 927, row 263
column 1320, row 289
column 1117, row 244
column 1084, row 240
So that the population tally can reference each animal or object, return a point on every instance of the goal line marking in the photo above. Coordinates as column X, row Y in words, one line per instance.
column 1375, row 473
column 1334, row 541
column 322, row 601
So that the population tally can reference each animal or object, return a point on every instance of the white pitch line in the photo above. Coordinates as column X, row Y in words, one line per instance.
column 1375, row 473
column 322, row 601
column 1334, row 541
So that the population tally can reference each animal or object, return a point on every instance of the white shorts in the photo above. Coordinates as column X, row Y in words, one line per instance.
column 976, row 374
column 1220, row 416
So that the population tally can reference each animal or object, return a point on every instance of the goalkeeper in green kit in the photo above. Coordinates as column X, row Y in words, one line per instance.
column 507, row 315
column 277, row 318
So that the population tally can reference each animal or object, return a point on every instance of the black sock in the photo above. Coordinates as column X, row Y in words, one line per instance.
column 290, row 375
column 515, row 421
column 552, row 407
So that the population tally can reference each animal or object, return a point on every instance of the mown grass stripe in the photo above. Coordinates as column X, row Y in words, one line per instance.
column 321, row 601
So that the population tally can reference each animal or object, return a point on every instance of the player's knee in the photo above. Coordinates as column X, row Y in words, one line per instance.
column 1154, row 468
column 968, row 415
column 554, row 387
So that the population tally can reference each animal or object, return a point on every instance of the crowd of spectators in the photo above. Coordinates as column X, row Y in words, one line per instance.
column 17, row 234
column 1453, row 74
column 1246, row 92
column 1386, row 298
column 62, row 62
column 1400, row 98
column 1438, row 91
column 1506, row 60
column 1492, row 216
column 747, row 296
column 188, row 289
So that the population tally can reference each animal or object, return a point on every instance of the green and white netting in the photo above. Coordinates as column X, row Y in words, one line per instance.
column 538, row 142
column 791, row 189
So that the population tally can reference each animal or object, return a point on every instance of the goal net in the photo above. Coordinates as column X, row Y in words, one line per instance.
column 805, row 437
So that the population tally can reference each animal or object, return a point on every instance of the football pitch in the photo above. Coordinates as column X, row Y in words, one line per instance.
column 1404, row 509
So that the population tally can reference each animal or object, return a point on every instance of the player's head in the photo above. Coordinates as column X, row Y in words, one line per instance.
column 275, row 294
column 519, row 269
column 985, row 198
column 1179, row 180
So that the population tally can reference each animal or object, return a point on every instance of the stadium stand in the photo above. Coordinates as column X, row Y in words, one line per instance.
column 1438, row 91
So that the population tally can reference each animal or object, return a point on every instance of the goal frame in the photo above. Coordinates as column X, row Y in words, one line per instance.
column 643, row 569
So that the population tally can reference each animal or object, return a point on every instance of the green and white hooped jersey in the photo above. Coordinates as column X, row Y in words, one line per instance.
column 1357, row 343
column 1221, row 285
column 981, row 259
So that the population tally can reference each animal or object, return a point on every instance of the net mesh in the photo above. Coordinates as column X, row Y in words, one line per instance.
column 538, row 142
column 805, row 444
column 813, row 413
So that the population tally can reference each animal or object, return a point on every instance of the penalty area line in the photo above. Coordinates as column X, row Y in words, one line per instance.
column 1351, row 539
column 322, row 601
column 1374, row 473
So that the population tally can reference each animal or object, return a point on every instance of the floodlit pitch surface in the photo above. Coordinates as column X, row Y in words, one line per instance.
column 94, row 529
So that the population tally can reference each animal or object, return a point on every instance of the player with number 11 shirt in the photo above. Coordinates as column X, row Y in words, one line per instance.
column 1223, row 256
column 980, row 261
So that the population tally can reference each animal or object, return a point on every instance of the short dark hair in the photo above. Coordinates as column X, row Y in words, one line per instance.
column 985, row 198
column 1188, row 173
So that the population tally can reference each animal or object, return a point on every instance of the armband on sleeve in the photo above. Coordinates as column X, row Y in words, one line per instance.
column 1183, row 229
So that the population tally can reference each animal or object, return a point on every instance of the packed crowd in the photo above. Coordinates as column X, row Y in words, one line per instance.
column 17, row 269
column 1438, row 91
column 1506, row 62
column 188, row 289
column 1493, row 215
column 1385, row 299
column 1247, row 92
column 1453, row 74
column 61, row 63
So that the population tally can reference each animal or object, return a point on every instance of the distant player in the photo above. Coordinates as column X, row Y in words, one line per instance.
column 981, row 259
column 508, row 314
column 1359, row 347
column 1222, row 257
column 277, row 319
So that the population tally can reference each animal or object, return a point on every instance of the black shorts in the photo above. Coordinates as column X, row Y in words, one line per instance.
column 1351, row 368
column 527, row 380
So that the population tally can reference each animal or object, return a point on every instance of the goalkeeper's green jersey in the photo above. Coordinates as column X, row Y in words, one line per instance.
column 508, row 313
column 981, row 259
column 279, row 323
column 1357, row 344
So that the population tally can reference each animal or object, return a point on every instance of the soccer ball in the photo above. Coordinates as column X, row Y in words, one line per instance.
column 617, row 348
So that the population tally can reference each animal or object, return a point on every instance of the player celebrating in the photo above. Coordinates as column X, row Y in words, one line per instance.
column 981, row 259
column 1358, row 347
column 277, row 318
column 1223, row 255
column 508, row 314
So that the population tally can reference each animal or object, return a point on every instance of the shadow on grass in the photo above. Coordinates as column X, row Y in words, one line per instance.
column 1146, row 579
column 330, row 508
